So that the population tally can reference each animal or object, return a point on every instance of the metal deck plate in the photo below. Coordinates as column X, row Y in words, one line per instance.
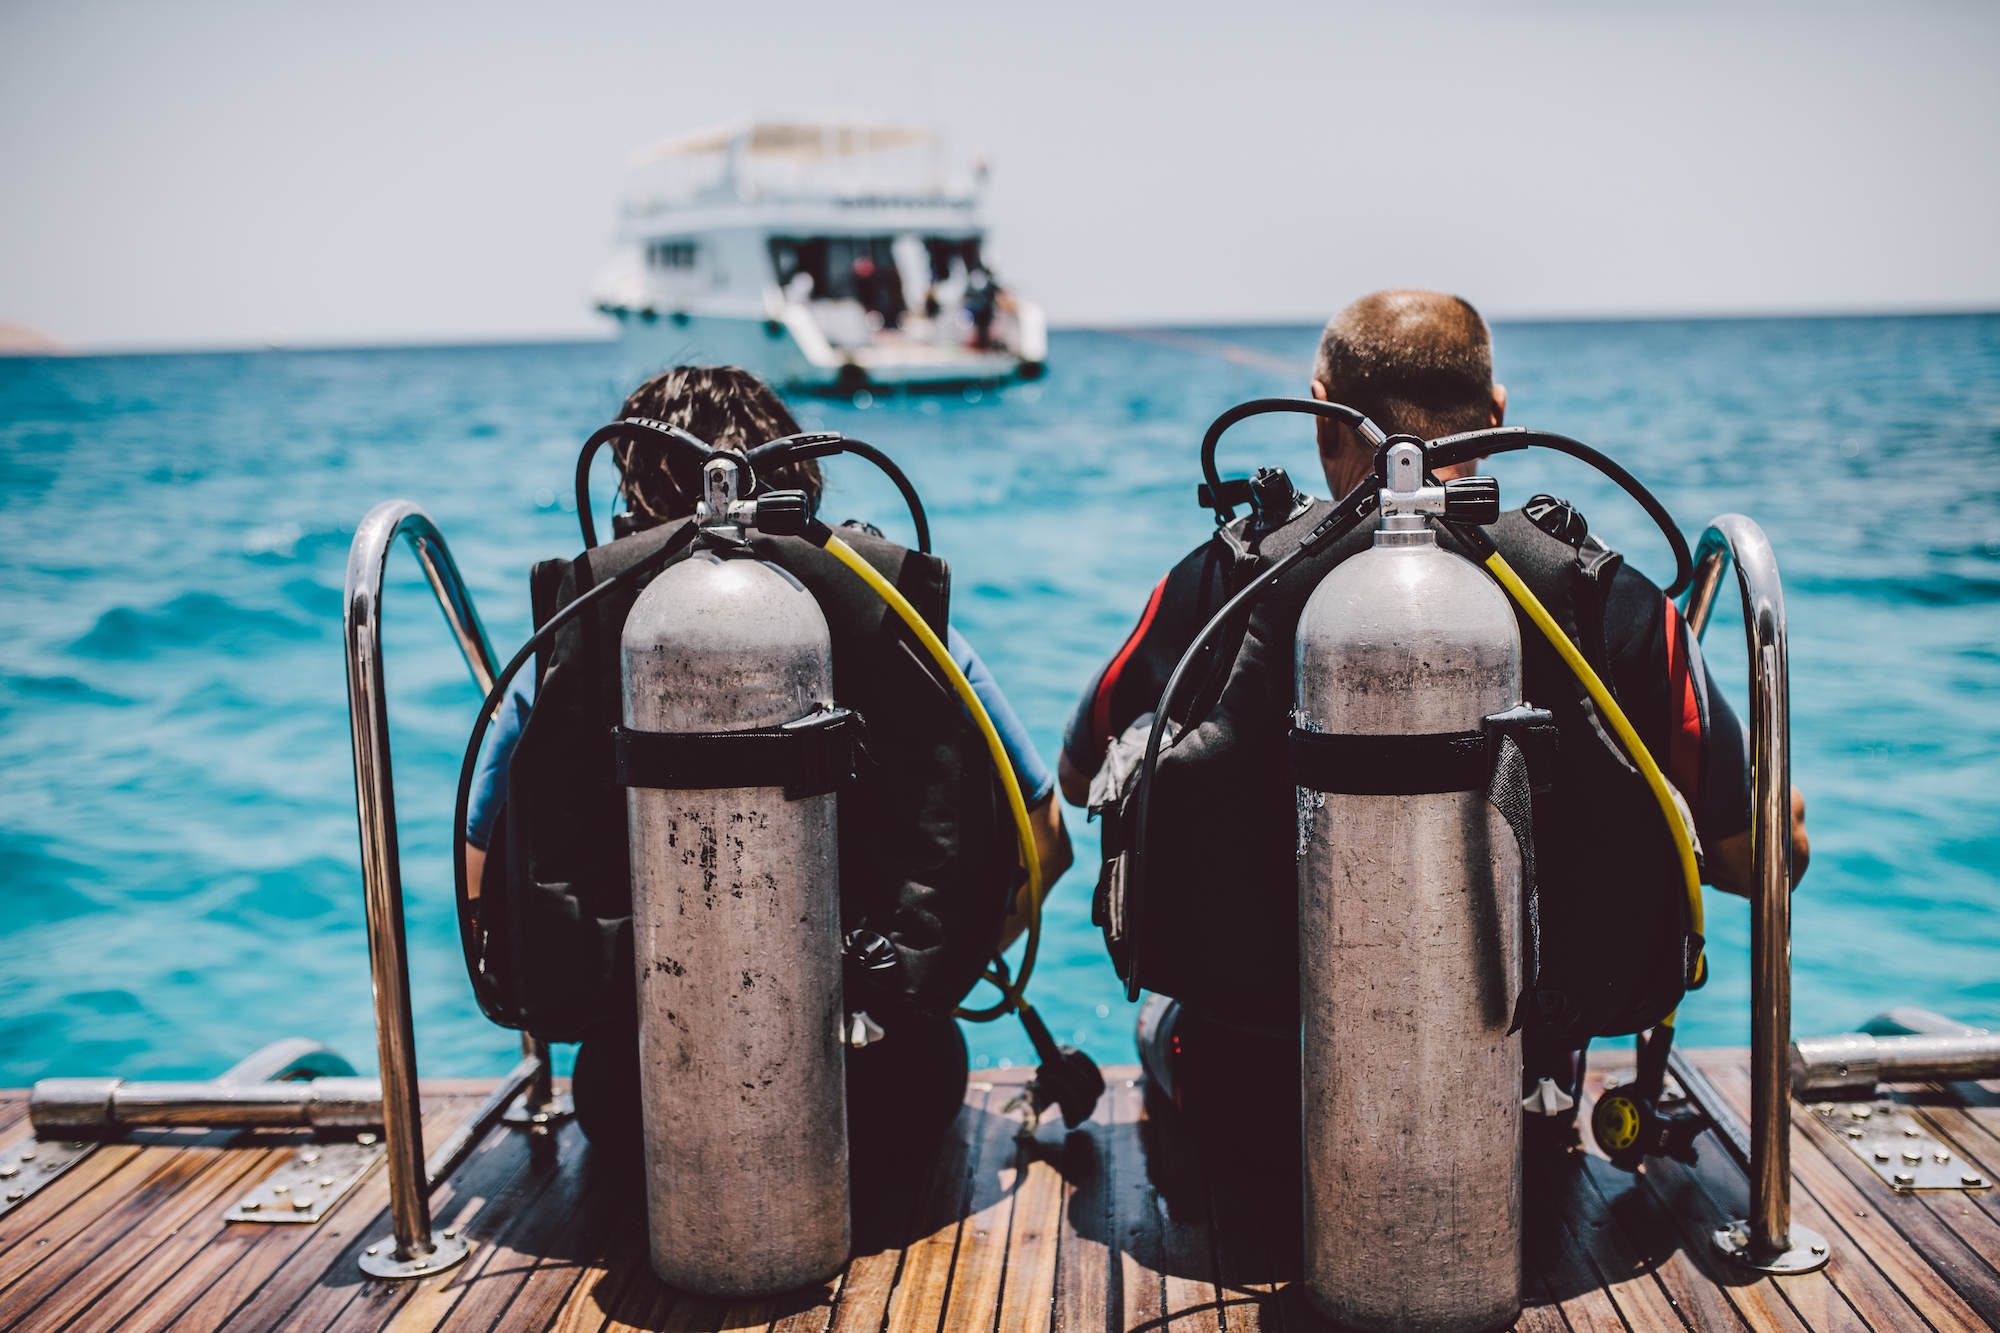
column 306, row 1188
column 30, row 1164
column 1898, row 1147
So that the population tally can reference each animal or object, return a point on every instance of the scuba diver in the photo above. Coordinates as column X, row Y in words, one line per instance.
column 927, row 863
column 1217, row 944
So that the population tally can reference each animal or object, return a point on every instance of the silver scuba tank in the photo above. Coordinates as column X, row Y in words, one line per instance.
column 736, row 938
column 1409, row 946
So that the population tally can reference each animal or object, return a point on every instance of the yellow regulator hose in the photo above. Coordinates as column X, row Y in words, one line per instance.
column 887, row 591
column 1635, row 749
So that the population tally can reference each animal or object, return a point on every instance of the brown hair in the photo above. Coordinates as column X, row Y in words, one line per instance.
column 1417, row 362
column 727, row 407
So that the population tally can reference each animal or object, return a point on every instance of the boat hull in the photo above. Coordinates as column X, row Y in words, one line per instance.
column 792, row 354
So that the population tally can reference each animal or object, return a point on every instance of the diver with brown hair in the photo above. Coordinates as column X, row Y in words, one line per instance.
column 926, row 853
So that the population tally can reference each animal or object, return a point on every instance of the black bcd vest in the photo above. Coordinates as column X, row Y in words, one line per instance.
column 927, row 855
column 1220, row 910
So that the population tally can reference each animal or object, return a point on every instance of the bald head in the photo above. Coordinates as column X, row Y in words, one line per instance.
column 1417, row 362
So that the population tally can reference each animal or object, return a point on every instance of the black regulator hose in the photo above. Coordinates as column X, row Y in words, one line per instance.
column 631, row 428
column 1463, row 448
column 1257, row 407
column 786, row 449
column 487, row 709
column 823, row 444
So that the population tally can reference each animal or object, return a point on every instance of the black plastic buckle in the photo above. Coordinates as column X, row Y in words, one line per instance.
column 1534, row 731
column 1235, row 491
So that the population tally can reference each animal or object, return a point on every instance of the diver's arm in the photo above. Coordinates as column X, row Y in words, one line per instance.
column 1052, row 848
column 1730, row 867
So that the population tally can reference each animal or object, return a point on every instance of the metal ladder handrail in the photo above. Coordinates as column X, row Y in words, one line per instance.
column 417, row 1250
column 1767, row 1239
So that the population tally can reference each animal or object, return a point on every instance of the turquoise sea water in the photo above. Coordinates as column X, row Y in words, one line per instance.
column 177, row 840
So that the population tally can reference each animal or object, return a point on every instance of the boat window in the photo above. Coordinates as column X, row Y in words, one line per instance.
column 843, row 268
column 670, row 254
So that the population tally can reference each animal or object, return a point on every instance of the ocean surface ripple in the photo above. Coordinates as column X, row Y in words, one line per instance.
column 176, row 791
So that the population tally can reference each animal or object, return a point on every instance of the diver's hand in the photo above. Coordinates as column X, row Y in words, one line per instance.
column 1729, row 866
column 1053, row 850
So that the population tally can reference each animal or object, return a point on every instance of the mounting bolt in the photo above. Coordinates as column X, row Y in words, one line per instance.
column 451, row 1234
column 27, row 1154
column 1819, row 1247
column 8, row 1170
column 1912, row 1155
column 374, row 1249
column 1972, row 1182
column 281, row 1189
column 250, row 1205
column 1942, row 1156
column 302, row 1205
column 1905, row 1178
column 308, row 1157
column 366, row 1140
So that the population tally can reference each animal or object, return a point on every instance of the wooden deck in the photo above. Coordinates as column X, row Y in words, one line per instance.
column 1104, row 1230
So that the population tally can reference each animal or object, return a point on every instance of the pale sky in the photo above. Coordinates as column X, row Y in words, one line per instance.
column 194, row 174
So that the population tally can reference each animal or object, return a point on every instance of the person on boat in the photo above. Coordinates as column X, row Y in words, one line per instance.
column 910, row 1083
column 1222, row 898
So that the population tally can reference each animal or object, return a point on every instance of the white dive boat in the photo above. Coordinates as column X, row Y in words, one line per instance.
column 826, row 254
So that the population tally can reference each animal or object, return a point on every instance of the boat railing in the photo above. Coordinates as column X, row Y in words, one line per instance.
column 1767, row 1239
column 417, row 1250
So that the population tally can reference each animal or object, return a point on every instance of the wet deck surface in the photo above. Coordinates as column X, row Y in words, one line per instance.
column 1107, row 1229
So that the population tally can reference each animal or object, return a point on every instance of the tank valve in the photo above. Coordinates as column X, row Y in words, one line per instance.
column 1406, row 499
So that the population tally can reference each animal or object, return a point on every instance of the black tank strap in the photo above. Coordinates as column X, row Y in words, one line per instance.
column 1511, row 759
column 1420, row 765
column 817, row 754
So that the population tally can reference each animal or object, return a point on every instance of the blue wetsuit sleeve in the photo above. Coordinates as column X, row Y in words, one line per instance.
column 1029, row 770
column 489, row 779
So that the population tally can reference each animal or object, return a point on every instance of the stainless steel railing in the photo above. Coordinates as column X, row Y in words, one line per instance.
column 417, row 1250
column 1767, row 1239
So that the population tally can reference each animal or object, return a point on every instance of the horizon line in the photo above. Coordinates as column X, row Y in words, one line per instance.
column 1114, row 328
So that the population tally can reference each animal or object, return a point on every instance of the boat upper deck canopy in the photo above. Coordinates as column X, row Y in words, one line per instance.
column 799, row 140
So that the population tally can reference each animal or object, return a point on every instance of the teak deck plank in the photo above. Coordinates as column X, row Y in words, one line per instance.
column 980, row 1260
column 1120, row 1225
column 1083, row 1249
column 1846, row 1201
column 189, row 1190
column 263, row 1268
column 1035, row 1233
column 917, row 1299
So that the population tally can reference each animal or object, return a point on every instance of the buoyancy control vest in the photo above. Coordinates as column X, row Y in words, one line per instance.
column 1616, row 945
column 927, row 855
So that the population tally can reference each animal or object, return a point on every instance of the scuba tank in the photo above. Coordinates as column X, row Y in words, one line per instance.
column 736, row 921
column 1409, row 888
